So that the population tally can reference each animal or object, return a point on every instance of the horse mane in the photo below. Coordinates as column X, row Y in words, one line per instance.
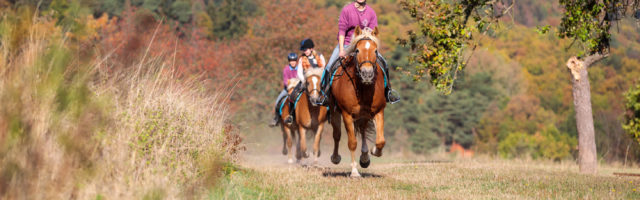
column 313, row 71
column 365, row 33
column 293, row 82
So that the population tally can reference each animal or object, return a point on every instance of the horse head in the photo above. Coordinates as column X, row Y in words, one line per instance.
column 291, row 84
column 364, row 50
column 313, row 85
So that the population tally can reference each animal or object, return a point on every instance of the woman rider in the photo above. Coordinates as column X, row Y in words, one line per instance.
column 290, row 71
column 355, row 14
column 309, row 59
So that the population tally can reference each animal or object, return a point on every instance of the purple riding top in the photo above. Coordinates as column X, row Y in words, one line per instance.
column 350, row 17
column 288, row 73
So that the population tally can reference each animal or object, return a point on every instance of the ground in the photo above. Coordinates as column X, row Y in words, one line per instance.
column 264, row 174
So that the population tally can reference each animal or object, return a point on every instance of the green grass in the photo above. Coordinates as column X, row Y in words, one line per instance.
column 463, row 179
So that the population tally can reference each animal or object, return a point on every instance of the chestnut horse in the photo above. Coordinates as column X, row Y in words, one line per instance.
column 358, row 96
column 308, row 114
column 288, row 131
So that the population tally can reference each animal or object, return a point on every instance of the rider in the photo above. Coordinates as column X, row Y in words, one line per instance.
column 290, row 71
column 355, row 14
column 309, row 59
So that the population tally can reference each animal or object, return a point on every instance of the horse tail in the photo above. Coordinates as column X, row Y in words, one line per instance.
column 366, row 127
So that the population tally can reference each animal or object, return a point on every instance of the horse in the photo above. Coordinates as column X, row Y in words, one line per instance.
column 288, row 131
column 309, row 114
column 358, row 98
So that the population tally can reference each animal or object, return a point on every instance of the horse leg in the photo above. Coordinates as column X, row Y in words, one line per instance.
column 303, row 141
column 379, row 122
column 337, row 132
column 316, row 143
column 284, row 141
column 364, row 157
column 298, row 149
column 289, row 143
column 352, row 142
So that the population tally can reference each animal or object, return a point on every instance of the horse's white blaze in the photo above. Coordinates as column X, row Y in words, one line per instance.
column 315, row 82
column 367, row 45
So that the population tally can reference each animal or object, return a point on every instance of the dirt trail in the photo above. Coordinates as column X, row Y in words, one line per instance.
column 267, row 175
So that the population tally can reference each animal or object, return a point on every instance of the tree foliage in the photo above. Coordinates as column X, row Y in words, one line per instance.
column 445, row 30
column 632, row 117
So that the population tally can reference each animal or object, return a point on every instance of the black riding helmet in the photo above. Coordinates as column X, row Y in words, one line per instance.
column 306, row 44
column 292, row 57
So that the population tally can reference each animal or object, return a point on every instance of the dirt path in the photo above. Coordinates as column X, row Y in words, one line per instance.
column 265, row 174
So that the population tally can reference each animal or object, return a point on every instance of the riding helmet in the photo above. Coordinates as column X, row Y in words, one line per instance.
column 292, row 56
column 306, row 44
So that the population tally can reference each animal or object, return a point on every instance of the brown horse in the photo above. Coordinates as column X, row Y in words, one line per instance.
column 309, row 115
column 288, row 131
column 358, row 92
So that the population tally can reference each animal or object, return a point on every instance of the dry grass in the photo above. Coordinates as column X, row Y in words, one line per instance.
column 264, row 174
column 68, row 131
column 462, row 179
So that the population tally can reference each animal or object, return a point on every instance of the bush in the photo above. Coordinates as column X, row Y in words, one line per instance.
column 69, row 129
column 632, row 117
column 550, row 143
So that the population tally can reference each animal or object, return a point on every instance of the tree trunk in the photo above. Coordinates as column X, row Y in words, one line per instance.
column 587, row 157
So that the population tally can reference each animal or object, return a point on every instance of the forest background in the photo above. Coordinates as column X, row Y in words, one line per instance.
column 513, row 101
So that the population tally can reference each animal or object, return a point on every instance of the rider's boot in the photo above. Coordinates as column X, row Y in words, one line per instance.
column 275, row 121
column 392, row 95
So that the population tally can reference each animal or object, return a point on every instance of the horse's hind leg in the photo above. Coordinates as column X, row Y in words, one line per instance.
column 364, row 157
column 379, row 122
column 316, row 143
column 337, row 132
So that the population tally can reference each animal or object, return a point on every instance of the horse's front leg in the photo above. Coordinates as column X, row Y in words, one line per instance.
column 379, row 119
column 288, row 143
column 316, row 143
column 302, row 132
column 337, row 133
column 352, row 142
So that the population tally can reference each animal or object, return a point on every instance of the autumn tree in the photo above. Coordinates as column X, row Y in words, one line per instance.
column 632, row 117
column 446, row 31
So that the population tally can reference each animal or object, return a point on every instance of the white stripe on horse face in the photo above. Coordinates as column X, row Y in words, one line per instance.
column 315, row 81
column 367, row 45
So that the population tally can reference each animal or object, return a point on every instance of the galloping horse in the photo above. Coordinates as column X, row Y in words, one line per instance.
column 288, row 131
column 358, row 92
column 309, row 115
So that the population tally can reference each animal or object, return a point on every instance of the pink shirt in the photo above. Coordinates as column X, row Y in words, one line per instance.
column 288, row 73
column 350, row 17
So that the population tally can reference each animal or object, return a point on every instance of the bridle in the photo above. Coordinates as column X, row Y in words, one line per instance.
column 355, row 57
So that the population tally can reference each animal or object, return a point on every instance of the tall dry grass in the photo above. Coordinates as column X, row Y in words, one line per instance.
column 71, row 130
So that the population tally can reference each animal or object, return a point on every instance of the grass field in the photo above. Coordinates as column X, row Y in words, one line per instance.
column 462, row 179
column 265, row 175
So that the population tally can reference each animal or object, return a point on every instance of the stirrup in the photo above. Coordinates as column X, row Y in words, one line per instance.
column 393, row 93
column 288, row 120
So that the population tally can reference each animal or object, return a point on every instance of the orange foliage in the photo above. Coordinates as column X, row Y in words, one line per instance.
column 138, row 38
column 461, row 151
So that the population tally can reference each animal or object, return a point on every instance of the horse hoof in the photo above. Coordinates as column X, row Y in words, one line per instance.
column 284, row 151
column 305, row 155
column 290, row 161
column 364, row 161
column 298, row 156
column 355, row 174
column 376, row 152
column 335, row 159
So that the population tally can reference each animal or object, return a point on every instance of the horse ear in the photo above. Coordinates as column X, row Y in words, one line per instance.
column 375, row 31
column 358, row 31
